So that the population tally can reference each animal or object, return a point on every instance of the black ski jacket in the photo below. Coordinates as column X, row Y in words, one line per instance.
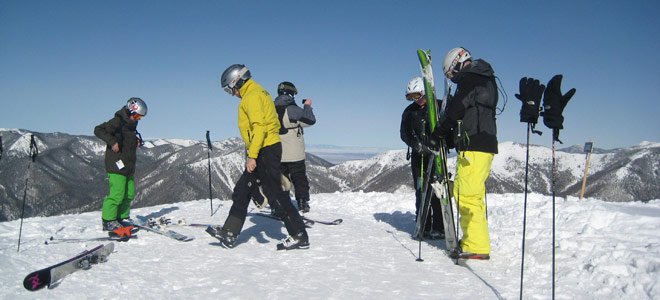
column 122, row 130
column 475, row 103
column 413, row 125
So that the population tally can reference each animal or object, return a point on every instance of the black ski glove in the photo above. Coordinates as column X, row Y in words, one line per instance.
column 422, row 148
column 554, row 103
column 426, row 147
column 531, row 92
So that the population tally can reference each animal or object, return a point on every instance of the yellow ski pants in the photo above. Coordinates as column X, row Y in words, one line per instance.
column 472, row 170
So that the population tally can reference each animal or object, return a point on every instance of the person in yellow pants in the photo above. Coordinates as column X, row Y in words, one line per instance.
column 469, row 124
column 472, row 170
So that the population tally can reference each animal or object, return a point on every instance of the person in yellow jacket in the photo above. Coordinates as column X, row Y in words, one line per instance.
column 259, row 128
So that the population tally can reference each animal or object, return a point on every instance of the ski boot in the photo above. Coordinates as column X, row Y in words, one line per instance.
column 225, row 237
column 460, row 254
column 434, row 235
column 115, row 229
column 303, row 205
column 299, row 241
column 128, row 222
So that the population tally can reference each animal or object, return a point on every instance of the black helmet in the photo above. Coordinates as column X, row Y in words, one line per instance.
column 287, row 88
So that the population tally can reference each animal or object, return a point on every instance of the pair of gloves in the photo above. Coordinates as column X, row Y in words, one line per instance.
column 553, row 101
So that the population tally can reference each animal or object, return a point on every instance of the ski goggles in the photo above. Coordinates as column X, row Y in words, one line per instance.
column 414, row 96
column 137, row 117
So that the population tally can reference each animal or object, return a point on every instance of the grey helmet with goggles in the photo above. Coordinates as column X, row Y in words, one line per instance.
column 415, row 89
column 454, row 61
column 234, row 77
column 135, row 105
column 286, row 88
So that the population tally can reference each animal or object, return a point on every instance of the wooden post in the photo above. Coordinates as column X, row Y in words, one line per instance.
column 588, row 148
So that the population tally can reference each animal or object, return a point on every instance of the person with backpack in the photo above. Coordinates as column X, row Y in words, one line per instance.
column 475, row 138
column 293, row 119
column 122, row 140
column 259, row 128
column 415, row 132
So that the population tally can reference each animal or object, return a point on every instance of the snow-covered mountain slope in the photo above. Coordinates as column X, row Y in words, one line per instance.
column 604, row 250
column 68, row 175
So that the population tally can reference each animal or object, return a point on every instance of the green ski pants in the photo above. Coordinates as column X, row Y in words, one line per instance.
column 118, row 203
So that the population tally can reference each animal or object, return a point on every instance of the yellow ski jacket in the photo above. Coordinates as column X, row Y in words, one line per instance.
column 257, row 118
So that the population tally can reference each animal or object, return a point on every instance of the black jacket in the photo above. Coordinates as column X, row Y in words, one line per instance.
column 413, row 125
column 474, row 103
column 122, row 130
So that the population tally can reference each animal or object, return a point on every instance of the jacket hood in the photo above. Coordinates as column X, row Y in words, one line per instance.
column 125, row 116
column 284, row 100
column 479, row 67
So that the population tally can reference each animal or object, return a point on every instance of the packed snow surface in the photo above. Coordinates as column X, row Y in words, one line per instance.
column 603, row 251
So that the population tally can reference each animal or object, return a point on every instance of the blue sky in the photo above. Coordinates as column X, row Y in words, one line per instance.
column 66, row 66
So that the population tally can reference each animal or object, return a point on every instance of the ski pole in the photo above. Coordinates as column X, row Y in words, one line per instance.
column 34, row 151
column 522, row 264
column 459, row 128
column 421, row 184
column 209, row 148
column 0, row 147
column 555, row 134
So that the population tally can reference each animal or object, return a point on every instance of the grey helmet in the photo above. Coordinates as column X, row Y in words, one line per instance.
column 135, row 105
column 234, row 78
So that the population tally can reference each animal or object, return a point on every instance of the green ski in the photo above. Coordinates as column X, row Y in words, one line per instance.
column 438, row 179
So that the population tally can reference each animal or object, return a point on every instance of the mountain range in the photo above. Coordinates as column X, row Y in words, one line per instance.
column 68, row 174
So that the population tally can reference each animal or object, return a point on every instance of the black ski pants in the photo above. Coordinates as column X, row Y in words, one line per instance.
column 434, row 220
column 297, row 172
column 268, row 172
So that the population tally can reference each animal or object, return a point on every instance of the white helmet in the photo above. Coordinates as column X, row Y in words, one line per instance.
column 415, row 86
column 454, row 60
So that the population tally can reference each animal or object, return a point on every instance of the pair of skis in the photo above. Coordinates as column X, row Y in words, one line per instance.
column 308, row 222
column 144, row 224
column 436, row 178
column 140, row 222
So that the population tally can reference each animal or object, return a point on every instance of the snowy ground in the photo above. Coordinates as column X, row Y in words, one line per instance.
column 604, row 251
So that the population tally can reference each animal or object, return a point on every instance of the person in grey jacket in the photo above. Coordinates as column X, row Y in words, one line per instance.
column 293, row 119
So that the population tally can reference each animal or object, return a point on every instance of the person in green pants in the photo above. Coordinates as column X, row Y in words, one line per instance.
column 122, row 140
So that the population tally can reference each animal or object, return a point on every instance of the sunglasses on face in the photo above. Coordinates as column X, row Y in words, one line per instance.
column 413, row 96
